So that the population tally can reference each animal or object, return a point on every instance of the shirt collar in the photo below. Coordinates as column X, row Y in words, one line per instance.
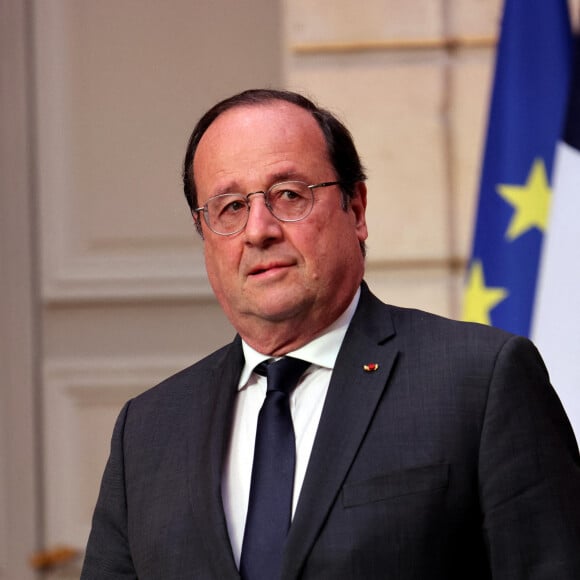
column 321, row 351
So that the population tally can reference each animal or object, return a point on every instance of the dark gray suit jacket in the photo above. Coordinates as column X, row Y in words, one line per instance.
column 453, row 460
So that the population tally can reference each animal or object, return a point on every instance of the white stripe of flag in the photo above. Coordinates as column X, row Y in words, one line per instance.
column 556, row 325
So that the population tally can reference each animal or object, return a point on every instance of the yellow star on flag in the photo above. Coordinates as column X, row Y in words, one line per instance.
column 479, row 300
column 531, row 201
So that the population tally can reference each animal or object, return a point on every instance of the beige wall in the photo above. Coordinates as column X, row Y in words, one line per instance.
column 123, row 296
column 412, row 79
column 125, row 301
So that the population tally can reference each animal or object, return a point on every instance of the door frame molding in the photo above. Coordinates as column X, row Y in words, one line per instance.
column 20, row 522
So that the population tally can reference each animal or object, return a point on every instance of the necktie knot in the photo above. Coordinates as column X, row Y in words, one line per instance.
column 283, row 375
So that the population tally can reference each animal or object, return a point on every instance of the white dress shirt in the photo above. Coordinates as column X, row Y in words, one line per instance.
column 306, row 402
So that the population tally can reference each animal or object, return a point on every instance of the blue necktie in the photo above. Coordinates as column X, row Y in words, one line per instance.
column 270, row 505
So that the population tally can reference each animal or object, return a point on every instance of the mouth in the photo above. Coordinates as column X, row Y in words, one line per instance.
column 262, row 269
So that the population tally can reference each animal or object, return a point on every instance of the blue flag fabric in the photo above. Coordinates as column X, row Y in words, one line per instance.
column 526, row 120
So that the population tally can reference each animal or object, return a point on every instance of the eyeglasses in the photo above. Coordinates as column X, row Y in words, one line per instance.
column 289, row 201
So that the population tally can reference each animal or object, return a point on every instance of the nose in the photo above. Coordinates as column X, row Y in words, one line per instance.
column 262, row 227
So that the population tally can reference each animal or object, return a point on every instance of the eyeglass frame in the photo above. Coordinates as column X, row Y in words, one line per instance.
column 204, row 209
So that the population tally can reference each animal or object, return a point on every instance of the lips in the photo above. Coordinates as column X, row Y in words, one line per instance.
column 263, row 268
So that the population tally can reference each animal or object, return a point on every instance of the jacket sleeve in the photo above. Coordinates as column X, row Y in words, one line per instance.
column 529, row 472
column 108, row 555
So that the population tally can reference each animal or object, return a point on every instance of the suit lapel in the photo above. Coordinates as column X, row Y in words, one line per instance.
column 207, row 444
column 352, row 398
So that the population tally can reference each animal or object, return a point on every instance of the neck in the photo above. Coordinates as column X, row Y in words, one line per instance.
column 277, row 338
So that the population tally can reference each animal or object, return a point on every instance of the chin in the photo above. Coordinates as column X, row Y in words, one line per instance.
column 279, row 310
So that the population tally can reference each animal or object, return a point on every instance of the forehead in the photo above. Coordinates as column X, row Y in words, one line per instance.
column 257, row 137
column 278, row 114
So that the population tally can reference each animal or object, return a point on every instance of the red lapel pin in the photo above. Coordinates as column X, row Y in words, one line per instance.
column 371, row 367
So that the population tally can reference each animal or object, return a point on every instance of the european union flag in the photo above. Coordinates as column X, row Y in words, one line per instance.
column 526, row 120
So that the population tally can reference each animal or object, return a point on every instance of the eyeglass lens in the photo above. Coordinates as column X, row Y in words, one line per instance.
column 288, row 201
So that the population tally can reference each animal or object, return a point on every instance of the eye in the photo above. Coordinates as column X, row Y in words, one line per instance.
column 227, row 205
column 234, row 206
column 287, row 193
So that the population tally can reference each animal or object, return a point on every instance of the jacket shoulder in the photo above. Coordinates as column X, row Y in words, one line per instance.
column 436, row 325
column 188, row 379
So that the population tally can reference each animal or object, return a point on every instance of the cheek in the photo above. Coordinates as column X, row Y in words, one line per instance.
column 336, row 253
column 320, row 254
column 219, row 266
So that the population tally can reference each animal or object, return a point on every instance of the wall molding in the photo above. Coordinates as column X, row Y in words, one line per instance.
column 86, row 278
column 402, row 44
column 82, row 400
column 105, row 263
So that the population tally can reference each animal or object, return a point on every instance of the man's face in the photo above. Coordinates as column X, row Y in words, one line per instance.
column 279, row 283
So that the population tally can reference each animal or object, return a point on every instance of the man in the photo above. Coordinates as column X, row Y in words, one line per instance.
column 424, row 448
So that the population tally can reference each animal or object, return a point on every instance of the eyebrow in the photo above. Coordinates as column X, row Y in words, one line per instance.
column 286, row 176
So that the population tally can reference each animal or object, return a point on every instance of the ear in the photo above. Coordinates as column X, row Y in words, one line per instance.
column 358, row 206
